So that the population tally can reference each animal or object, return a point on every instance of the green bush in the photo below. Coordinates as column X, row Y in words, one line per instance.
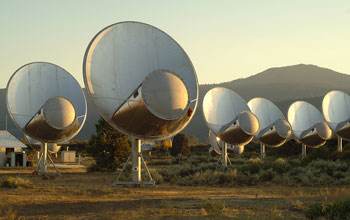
column 180, row 145
column 16, row 182
column 216, row 207
column 337, row 210
column 109, row 147
column 199, row 171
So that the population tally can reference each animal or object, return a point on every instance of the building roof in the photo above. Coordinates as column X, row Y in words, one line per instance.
column 9, row 141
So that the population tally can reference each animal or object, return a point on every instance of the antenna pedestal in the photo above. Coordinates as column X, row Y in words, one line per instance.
column 340, row 144
column 224, row 155
column 262, row 151
column 136, row 159
column 224, row 159
column 42, row 163
column 303, row 151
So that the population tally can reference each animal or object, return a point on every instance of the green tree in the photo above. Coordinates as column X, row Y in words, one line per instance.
column 109, row 147
column 180, row 145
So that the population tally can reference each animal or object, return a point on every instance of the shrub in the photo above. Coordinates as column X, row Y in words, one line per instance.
column 250, row 168
column 16, row 182
column 216, row 207
column 8, row 213
column 109, row 147
column 180, row 145
column 338, row 210
column 203, row 170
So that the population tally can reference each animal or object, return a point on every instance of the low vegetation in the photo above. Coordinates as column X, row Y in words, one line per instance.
column 8, row 213
column 215, row 207
column 202, row 170
column 335, row 210
column 16, row 182
column 91, row 196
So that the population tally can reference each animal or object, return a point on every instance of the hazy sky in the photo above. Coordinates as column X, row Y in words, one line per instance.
column 225, row 40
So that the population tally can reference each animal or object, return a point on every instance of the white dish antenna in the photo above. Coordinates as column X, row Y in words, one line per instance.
column 308, row 125
column 47, row 104
column 274, row 129
column 141, row 82
column 228, row 116
column 336, row 111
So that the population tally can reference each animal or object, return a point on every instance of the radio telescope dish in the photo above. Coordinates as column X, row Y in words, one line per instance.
column 274, row 129
column 141, row 82
column 46, row 103
column 308, row 125
column 228, row 116
column 336, row 110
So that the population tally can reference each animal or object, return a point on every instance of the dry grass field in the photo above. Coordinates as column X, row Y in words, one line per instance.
column 80, row 195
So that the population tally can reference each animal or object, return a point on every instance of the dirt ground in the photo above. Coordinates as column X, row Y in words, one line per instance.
column 80, row 195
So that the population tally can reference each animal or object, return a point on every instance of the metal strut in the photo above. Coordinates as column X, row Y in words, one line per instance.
column 224, row 158
column 303, row 151
column 340, row 144
column 136, row 159
column 53, row 164
column 262, row 151
column 42, row 162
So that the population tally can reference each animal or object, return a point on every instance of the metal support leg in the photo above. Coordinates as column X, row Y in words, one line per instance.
column 228, row 160
column 53, row 164
column 42, row 162
column 121, row 172
column 262, row 151
column 303, row 151
column 136, row 158
column 43, row 168
column 340, row 144
column 39, row 162
column 224, row 154
column 149, row 174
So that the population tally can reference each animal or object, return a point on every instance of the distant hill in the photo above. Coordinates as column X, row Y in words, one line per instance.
column 282, row 85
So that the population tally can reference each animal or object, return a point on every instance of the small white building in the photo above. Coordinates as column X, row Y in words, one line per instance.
column 11, row 150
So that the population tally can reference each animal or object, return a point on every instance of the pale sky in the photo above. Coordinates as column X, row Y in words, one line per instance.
column 225, row 39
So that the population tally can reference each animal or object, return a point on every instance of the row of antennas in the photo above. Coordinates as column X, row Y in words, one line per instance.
column 138, row 78
column 143, row 83
column 232, row 121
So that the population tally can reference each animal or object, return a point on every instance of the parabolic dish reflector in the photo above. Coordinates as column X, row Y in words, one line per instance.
column 308, row 124
column 336, row 110
column 46, row 102
column 228, row 116
column 274, row 129
column 140, row 80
